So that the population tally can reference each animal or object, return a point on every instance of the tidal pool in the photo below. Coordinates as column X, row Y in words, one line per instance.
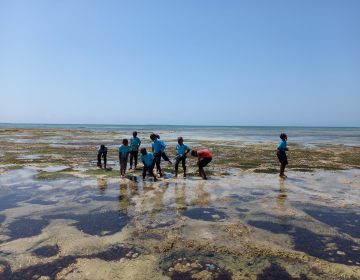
column 242, row 226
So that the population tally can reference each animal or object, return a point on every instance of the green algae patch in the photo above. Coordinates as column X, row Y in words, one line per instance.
column 14, row 167
column 267, row 171
column 97, row 172
column 54, row 176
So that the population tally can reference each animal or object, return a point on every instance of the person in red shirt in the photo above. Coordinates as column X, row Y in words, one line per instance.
column 204, row 158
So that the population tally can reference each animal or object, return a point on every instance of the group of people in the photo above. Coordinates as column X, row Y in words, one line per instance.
column 150, row 160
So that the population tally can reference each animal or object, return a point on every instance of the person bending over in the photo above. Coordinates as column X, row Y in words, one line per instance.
column 148, row 161
column 102, row 153
column 181, row 150
column 281, row 154
column 135, row 144
column 204, row 158
column 124, row 151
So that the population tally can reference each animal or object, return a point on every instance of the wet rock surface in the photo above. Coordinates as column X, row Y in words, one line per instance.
column 50, row 270
column 188, row 269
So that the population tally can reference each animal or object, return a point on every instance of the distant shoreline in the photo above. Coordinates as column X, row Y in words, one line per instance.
column 303, row 136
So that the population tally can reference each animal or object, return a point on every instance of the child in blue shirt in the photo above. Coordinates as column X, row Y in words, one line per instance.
column 282, row 155
column 135, row 144
column 158, row 146
column 163, row 155
column 124, row 151
column 182, row 150
column 148, row 160
column 102, row 152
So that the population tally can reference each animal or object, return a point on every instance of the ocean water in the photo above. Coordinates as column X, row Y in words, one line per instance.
column 306, row 136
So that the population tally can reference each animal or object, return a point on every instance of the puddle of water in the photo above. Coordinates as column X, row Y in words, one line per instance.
column 103, row 223
column 205, row 214
column 54, row 168
column 46, row 251
column 329, row 248
column 29, row 157
column 26, row 227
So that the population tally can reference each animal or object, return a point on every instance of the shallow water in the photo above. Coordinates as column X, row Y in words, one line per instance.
column 307, row 136
column 237, row 227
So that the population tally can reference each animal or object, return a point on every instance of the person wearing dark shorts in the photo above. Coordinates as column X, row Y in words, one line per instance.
column 135, row 144
column 102, row 152
column 157, row 147
column 182, row 150
column 204, row 158
column 281, row 154
column 124, row 151
column 163, row 154
column 148, row 163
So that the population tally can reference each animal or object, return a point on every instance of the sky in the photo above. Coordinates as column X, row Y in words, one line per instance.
column 202, row 62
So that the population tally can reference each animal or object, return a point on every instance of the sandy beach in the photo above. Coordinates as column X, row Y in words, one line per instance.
column 63, row 218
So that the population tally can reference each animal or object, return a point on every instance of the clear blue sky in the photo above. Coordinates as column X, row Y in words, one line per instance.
column 293, row 63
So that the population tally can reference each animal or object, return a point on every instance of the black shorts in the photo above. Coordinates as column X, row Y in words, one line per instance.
column 204, row 162
column 282, row 157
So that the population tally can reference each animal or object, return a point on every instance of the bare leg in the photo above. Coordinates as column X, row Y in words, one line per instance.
column 176, row 172
column 203, row 174
column 282, row 168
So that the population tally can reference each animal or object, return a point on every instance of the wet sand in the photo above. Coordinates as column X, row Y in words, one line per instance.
column 62, row 218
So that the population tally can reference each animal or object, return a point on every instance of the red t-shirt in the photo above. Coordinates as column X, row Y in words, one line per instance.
column 205, row 154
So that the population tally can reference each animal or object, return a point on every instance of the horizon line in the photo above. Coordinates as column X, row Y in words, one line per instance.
column 89, row 124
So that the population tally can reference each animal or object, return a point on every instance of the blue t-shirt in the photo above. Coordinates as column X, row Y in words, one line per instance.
column 158, row 145
column 124, row 150
column 282, row 145
column 181, row 150
column 100, row 151
column 163, row 146
column 148, row 158
column 134, row 143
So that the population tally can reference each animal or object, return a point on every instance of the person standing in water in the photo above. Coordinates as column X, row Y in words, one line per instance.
column 182, row 150
column 102, row 152
column 281, row 154
column 204, row 158
column 157, row 147
column 135, row 144
column 124, row 151
column 163, row 155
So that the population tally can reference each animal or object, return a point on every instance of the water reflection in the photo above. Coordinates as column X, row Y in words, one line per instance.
column 280, row 201
column 124, row 201
column 102, row 184
column 203, row 198
column 158, row 202
column 180, row 195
